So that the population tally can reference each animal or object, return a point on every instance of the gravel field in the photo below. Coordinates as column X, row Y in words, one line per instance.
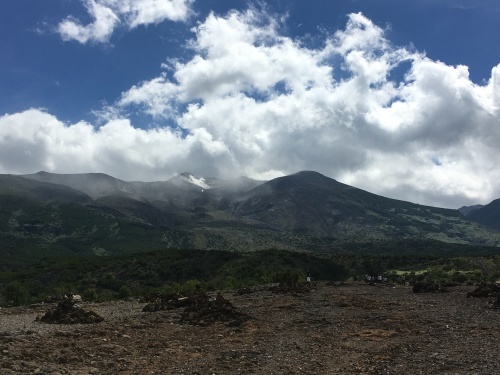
column 335, row 329
column 17, row 320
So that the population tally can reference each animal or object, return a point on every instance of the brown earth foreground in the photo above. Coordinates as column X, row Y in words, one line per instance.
column 335, row 329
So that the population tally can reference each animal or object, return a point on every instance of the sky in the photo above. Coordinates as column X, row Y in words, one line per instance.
column 399, row 98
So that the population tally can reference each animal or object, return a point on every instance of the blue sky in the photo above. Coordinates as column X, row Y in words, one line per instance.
column 395, row 97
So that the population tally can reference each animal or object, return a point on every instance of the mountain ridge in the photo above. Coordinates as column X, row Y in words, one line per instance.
column 309, row 195
column 305, row 211
column 98, row 185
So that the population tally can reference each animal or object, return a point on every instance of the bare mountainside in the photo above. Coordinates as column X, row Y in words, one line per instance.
column 98, row 214
column 349, row 328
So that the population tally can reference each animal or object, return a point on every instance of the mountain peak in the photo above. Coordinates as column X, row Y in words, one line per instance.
column 307, row 173
column 302, row 180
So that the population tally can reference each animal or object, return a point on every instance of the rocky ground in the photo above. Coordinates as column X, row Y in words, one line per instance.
column 350, row 328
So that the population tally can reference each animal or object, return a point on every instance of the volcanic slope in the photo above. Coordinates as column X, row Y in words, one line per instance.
column 311, row 204
column 304, row 211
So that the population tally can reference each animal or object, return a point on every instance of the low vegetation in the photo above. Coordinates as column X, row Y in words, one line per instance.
column 104, row 278
column 169, row 271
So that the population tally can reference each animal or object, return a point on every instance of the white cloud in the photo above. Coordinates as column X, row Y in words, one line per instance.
column 252, row 101
column 155, row 96
column 105, row 21
column 278, row 106
column 34, row 140
column 109, row 14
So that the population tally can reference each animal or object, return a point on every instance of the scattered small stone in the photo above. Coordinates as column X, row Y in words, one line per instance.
column 243, row 291
column 495, row 304
column 293, row 288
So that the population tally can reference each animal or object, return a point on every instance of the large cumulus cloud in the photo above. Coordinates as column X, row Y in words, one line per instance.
column 35, row 140
column 253, row 101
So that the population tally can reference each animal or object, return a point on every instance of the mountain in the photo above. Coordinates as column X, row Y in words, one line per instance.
column 311, row 204
column 184, row 191
column 38, row 219
column 93, row 184
column 488, row 215
column 466, row 210
column 20, row 188
column 95, row 214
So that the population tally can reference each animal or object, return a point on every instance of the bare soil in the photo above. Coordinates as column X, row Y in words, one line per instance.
column 350, row 328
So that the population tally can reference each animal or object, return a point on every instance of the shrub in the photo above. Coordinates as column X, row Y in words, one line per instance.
column 191, row 285
column 124, row 292
column 169, row 288
column 15, row 294
column 459, row 277
column 90, row 294
column 287, row 277
column 110, row 282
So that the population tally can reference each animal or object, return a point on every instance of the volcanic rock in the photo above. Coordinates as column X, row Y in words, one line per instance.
column 168, row 301
column 68, row 312
column 485, row 290
column 204, row 311
column 427, row 287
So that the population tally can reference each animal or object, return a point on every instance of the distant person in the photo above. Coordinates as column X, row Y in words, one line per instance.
column 308, row 278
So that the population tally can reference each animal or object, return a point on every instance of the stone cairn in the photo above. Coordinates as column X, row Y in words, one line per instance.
column 199, row 308
column 68, row 311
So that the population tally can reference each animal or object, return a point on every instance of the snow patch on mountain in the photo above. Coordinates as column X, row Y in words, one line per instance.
column 198, row 181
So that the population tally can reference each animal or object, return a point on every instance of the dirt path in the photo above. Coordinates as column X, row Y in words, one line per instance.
column 350, row 329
